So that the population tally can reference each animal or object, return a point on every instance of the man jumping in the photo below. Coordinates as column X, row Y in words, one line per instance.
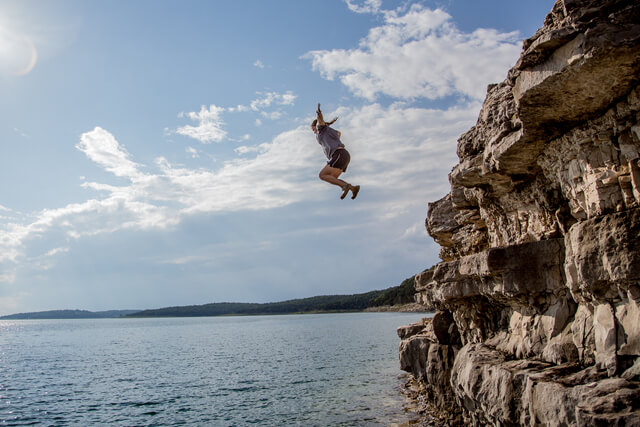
column 338, row 156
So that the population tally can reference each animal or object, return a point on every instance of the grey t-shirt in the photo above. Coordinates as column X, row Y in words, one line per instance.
column 328, row 138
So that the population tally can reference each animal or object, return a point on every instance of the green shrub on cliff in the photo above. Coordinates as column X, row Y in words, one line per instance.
column 397, row 295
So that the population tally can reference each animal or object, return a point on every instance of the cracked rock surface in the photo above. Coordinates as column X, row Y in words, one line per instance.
column 537, row 296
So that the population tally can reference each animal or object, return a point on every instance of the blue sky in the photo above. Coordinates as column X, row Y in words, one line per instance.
column 157, row 153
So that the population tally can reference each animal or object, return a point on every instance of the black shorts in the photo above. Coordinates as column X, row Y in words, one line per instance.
column 340, row 159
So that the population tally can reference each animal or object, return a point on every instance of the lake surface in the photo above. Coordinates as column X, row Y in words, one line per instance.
column 325, row 369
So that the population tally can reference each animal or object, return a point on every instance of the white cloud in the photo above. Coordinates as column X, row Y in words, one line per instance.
column 269, row 98
column 415, row 231
column 419, row 53
column 162, row 199
column 101, row 147
column 193, row 152
column 274, row 115
column 56, row 251
column 45, row 262
column 364, row 6
column 413, row 148
column 245, row 149
column 287, row 98
column 258, row 64
column 209, row 128
column 210, row 124
column 239, row 108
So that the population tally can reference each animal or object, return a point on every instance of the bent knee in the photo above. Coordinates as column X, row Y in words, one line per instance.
column 324, row 173
column 328, row 176
column 329, row 171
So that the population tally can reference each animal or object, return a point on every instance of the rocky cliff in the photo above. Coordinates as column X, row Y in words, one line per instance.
column 537, row 296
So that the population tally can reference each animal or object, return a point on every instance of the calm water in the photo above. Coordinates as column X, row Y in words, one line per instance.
column 329, row 369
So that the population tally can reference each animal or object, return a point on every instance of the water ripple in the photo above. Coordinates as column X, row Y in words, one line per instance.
column 273, row 370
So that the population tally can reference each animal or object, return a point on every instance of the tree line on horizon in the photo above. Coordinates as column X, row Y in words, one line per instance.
column 396, row 295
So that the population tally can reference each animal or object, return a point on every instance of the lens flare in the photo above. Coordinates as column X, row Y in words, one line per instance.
column 18, row 54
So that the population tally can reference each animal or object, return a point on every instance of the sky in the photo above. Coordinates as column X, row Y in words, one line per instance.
column 157, row 153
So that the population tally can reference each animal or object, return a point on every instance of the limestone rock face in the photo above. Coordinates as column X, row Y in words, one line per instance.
column 538, row 294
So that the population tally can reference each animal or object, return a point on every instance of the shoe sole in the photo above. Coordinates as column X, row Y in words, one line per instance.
column 355, row 191
column 346, row 191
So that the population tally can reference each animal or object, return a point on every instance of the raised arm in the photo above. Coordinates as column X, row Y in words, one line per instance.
column 319, row 116
column 321, row 121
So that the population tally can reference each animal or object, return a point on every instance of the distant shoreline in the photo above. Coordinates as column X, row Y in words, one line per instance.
column 69, row 314
column 394, row 299
column 127, row 314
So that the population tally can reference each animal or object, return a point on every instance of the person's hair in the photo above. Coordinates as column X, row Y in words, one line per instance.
column 315, row 122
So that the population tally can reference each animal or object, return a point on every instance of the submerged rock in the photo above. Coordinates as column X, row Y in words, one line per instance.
column 538, row 294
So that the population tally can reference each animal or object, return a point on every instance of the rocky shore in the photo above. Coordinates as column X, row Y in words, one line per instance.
column 399, row 308
column 537, row 296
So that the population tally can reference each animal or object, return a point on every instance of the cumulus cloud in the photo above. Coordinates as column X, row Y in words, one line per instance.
column 239, row 109
column 210, row 124
column 413, row 148
column 274, row 115
column 245, row 149
column 56, row 251
column 272, row 98
column 162, row 199
column 209, row 128
column 101, row 147
column 364, row 6
column 193, row 152
column 419, row 53
column 258, row 64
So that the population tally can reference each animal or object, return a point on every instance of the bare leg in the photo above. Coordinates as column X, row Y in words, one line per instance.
column 331, row 175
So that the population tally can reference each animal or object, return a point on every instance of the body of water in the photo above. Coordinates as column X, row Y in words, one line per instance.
column 325, row 369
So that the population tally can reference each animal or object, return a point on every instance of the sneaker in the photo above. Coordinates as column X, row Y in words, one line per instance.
column 354, row 191
column 345, row 191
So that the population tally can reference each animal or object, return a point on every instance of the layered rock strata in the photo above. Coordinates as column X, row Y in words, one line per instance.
column 538, row 294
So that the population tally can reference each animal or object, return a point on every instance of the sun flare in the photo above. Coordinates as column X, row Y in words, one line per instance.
column 18, row 54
